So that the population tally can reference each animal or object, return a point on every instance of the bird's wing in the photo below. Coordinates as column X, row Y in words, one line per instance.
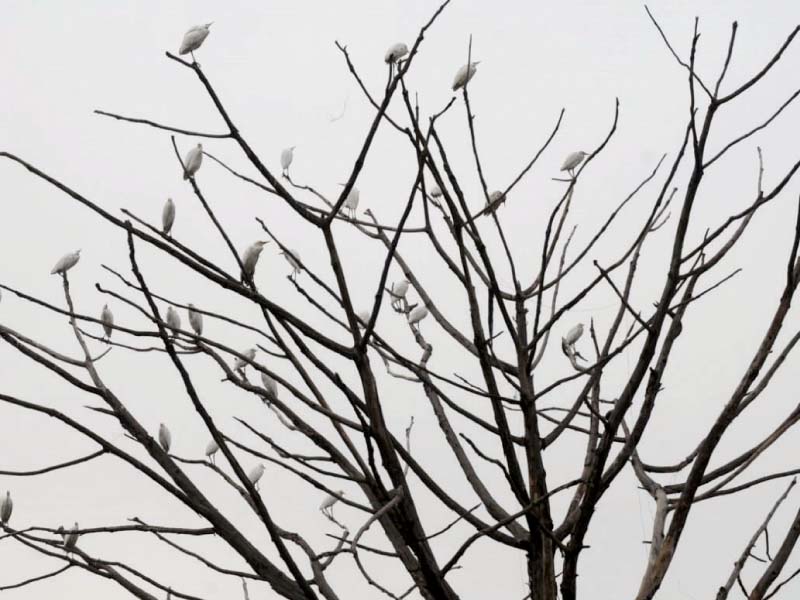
column 59, row 265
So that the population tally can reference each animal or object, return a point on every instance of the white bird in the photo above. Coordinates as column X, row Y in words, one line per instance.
column 573, row 160
column 363, row 317
column 164, row 437
column 70, row 537
column 574, row 334
column 395, row 53
column 255, row 474
column 464, row 74
column 194, row 38
column 568, row 343
column 494, row 200
column 66, row 262
column 398, row 292
column 330, row 500
column 247, row 357
column 351, row 202
column 269, row 384
column 6, row 508
column 168, row 216
column 211, row 449
column 250, row 259
column 286, row 159
column 107, row 319
column 192, row 162
column 173, row 320
column 417, row 314
column 293, row 258
column 436, row 191
column 195, row 320
column 400, row 288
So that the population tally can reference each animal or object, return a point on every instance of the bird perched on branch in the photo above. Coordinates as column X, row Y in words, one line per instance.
column 287, row 155
column 416, row 314
column 255, row 474
column 173, row 320
column 351, row 202
column 247, row 357
column 464, row 74
column 250, row 259
column 164, row 437
column 293, row 258
column 211, row 449
column 363, row 317
column 572, row 161
column 107, row 319
column 192, row 162
column 327, row 504
column 398, row 292
column 168, row 216
column 66, row 262
column 195, row 320
column 194, row 38
column 395, row 53
column 6, row 508
column 270, row 385
column 494, row 201
column 569, row 340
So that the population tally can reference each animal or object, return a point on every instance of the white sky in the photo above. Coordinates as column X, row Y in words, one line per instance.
column 279, row 74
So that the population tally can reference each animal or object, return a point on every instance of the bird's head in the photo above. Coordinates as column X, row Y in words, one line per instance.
column 261, row 244
column 207, row 25
column 200, row 147
column 412, row 306
column 190, row 305
column 475, row 63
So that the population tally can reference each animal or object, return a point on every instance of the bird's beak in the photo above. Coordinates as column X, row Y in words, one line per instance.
column 209, row 24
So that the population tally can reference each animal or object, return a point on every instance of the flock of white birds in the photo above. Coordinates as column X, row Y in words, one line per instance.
column 192, row 40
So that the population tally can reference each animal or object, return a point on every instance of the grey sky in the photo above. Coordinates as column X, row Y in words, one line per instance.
column 275, row 66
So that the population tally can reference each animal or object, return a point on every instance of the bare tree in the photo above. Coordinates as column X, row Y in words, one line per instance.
column 327, row 377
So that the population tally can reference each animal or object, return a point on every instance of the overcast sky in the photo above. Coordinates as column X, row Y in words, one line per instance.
column 276, row 68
